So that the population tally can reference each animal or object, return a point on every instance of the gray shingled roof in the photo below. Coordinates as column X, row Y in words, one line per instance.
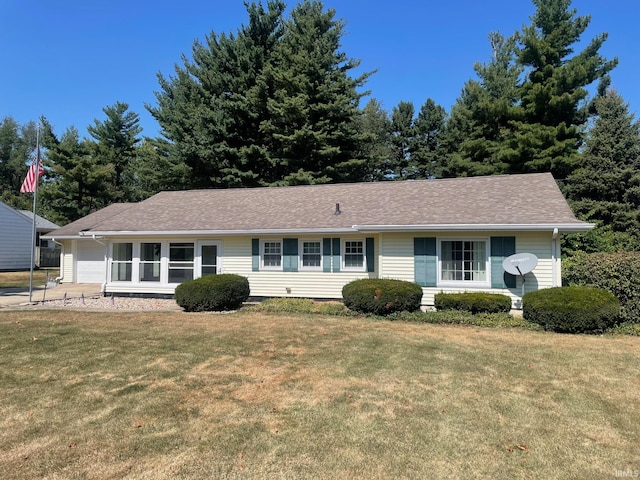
column 42, row 224
column 90, row 221
column 509, row 200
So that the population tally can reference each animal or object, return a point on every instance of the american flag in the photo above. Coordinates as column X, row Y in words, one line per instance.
column 31, row 181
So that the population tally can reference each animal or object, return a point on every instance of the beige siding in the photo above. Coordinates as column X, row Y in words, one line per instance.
column 66, row 261
column 397, row 262
column 237, row 259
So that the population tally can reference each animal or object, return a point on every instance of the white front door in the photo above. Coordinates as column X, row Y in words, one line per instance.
column 208, row 258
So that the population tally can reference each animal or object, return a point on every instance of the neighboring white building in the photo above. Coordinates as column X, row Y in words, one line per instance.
column 309, row 241
column 15, row 237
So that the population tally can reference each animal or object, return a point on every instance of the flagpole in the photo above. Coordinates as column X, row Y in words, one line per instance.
column 35, row 197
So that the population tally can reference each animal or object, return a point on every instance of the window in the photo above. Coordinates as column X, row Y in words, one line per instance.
column 180, row 262
column 272, row 255
column 353, row 258
column 463, row 261
column 122, row 262
column 150, row 262
column 311, row 254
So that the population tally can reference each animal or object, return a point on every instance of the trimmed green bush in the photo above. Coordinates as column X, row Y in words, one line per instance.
column 381, row 296
column 574, row 309
column 474, row 302
column 618, row 273
column 212, row 293
column 299, row 305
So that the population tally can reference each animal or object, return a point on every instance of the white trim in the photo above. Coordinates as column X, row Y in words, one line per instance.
column 343, row 254
column 465, row 283
column 198, row 256
column 268, row 267
column 470, row 227
column 301, row 266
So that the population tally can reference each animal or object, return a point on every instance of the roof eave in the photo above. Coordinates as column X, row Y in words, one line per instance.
column 187, row 233
column 524, row 227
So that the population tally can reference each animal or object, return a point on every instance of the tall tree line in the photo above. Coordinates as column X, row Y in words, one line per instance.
column 277, row 103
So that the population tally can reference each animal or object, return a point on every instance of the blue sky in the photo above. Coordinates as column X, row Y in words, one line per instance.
column 68, row 59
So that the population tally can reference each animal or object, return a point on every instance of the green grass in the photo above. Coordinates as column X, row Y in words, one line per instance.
column 21, row 279
column 250, row 395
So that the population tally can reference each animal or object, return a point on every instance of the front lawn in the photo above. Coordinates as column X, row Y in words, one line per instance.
column 251, row 395
column 21, row 279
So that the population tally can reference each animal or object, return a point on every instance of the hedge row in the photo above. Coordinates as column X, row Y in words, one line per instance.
column 619, row 273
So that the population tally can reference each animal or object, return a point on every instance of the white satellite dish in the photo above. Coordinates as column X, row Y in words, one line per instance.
column 520, row 263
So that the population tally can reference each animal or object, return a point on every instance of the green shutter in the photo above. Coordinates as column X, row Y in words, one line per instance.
column 369, row 248
column 290, row 254
column 425, row 261
column 326, row 254
column 255, row 254
column 335, row 251
column 501, row 248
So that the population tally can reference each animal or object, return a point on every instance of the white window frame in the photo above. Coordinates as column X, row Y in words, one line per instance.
column 131, row 262
column 187, row 264
column 198, row 256
column 262, row 254
column 301, row 255
column 343, row 255
column 486, row 283
column 141, row 263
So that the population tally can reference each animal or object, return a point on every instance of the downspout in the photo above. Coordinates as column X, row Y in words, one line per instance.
column 61, row 277
column 554, row 260
column 106, row 263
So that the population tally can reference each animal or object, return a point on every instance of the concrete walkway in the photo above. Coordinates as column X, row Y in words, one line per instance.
column 20, row 296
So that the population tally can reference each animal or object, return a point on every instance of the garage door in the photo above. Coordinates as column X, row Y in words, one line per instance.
column 90, row 267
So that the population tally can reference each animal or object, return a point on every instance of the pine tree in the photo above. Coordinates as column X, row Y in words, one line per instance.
column 77, row 184
column 211, row 111
column 605, row 189
column 402, row 136
column 314, row 108
column 426, row 146
column 116, row 142
column 375, row 131
column 553, row 98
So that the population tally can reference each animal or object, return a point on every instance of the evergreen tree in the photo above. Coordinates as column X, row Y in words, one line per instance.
column 17, row 151
column 314, row 108
column 212, row 110
column 606, row 188
column 426, row 146
column 554, row 111
column 402, row 139
column 479, row 129
column 116, row 142
column 375, row 131
column 77, row 184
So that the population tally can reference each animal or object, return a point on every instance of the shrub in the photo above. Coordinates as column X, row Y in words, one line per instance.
column 461, row 317
column 382, row 296
column 571, row 309
column 212, row 293
column 299, row 305
column 618, row 273
column 474, row 302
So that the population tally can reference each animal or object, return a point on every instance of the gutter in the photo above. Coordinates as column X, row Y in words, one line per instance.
column 61, row 277
column 94, row 237
column 530, row 227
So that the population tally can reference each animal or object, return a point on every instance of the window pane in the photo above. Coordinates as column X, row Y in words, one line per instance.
column 464, row 261
column 120, row 272
column 311, row 254
column 179, row 275
column 181, row 252
column 150, row 252
column 150, row 272
column 354, row 254
column 123, row 252
column 272, row 254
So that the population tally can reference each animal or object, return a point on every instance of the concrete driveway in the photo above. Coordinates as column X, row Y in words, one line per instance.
column 20, row 296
